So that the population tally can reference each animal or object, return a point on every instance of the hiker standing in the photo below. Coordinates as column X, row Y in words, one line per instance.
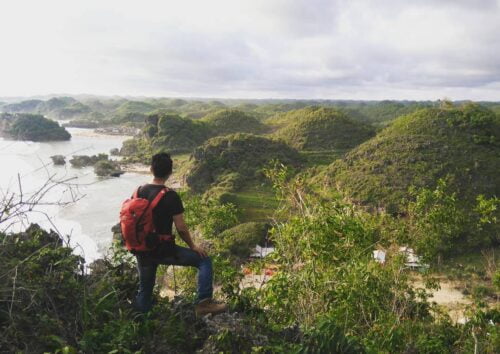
column 158, row 247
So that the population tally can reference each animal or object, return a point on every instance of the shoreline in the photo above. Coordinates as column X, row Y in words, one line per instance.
column 139, row 168
column 90, row 132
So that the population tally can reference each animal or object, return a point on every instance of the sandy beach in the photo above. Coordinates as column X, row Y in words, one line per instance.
column 93, row 134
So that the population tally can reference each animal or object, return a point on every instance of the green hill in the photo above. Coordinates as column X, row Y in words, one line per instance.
column 233, row 160
column 382, row 112
column 318, row 128
column 32, row 127
column 135, row 106
column 27, row 106
column 228, row 121
column 417, row 150
column 170, row 132
column 56, row 108
column 57, row 103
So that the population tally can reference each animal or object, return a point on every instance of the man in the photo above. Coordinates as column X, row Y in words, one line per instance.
column 170, row 211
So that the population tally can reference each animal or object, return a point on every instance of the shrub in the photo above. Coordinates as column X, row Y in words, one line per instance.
column 107, row 168
column 439, row 221
column 239, row 241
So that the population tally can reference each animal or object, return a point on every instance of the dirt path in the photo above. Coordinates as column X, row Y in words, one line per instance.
column 449, row 297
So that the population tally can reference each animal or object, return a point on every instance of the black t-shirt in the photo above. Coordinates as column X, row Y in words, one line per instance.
column 169, row 205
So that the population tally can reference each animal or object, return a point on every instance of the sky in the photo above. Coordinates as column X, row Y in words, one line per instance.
column 321, row 49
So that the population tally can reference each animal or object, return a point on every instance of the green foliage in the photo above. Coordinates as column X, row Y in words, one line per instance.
column 175, row 134
column 417, row 150
column 48, row 303
column 327, row 337
column 488, row 214
column 107, row 168
column 137, row 150
column 317, row 128
column 243, row 154
column 41, row 292
column 239, row 241
column 438, row 222
column 256, row 202
column 344, row 300
column 385, row 111
column 75, row 109
column 33, row 127
column 209, row 216
column 230, row 121
column 27, row 106
column 85, row 161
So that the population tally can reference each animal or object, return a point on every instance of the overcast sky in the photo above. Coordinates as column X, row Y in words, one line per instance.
column 334, row 49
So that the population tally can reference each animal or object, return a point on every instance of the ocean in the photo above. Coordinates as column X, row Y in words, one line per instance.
column 77, row 204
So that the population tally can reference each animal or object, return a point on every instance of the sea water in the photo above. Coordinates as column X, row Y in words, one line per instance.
column 79, row 205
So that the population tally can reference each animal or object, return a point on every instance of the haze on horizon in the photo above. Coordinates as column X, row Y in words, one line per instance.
column 337, row 49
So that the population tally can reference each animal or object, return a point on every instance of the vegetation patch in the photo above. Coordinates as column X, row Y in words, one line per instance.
column 172, row 133
column 318, row 128
column 58, row 160
column 417, row 150
column 235, row 159
column 85, row 160
column 32, row 127
column 239, row 242
column 109, row 168
column 229, row 121
column 256, row 202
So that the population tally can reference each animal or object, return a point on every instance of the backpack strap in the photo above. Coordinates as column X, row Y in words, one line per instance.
column 158, row 197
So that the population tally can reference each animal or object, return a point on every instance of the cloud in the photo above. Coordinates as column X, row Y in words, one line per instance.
column 259, row 48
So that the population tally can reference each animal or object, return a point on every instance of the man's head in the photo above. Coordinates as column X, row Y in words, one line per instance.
column 161, row 165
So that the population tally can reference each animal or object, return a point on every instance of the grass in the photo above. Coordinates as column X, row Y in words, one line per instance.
column 322, row 157
column 257, row 203
column 482, row 263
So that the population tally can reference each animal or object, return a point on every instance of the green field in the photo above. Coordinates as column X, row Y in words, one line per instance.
column 257, row 203
column 322, row 157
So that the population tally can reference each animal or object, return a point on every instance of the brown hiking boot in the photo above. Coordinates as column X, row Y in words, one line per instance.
column 207, row 306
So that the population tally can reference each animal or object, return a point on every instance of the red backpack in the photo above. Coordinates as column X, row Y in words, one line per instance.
column 136, row 221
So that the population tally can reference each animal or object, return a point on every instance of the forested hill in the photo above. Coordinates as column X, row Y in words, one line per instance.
column 32, row 127
column 418, row 149
column 132, row 111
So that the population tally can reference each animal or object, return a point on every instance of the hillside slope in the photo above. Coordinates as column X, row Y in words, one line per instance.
column 318, row 128
column 229, row 121
column 420, row 148
column 234, row 159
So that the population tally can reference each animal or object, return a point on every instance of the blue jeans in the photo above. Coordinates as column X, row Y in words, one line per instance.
column 147, row 265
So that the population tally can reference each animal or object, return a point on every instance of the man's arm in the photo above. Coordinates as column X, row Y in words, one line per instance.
column 183, row 231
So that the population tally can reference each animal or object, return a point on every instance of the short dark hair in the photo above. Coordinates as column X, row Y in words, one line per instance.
column 161, row 164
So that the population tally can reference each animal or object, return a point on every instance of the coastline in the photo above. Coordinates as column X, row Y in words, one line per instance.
column 91, row 132
column 139, row 168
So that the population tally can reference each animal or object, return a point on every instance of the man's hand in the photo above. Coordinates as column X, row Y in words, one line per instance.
column 183, row 231
column 200, row 251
